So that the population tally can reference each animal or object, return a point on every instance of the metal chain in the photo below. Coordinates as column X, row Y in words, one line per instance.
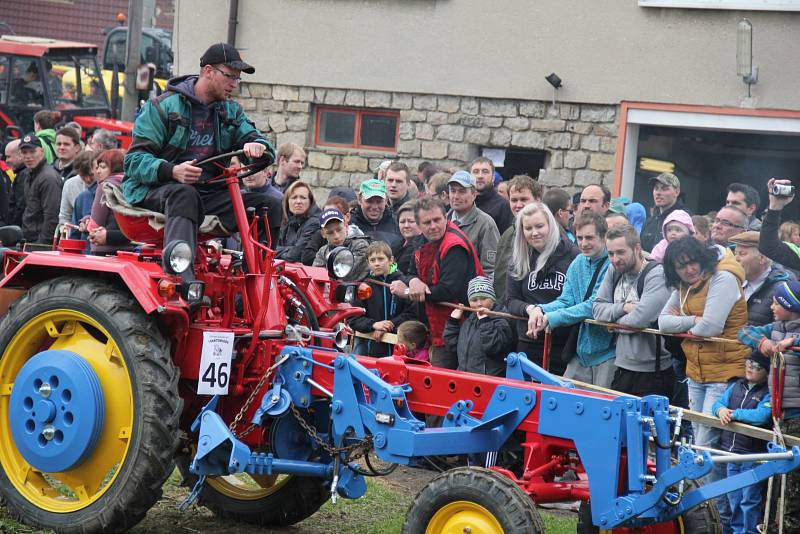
column 365, row 444
column 248, row 402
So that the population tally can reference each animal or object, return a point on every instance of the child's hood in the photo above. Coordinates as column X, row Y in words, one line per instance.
column 679, row 216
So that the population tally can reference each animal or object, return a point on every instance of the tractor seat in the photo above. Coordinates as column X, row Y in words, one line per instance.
column 145, row 226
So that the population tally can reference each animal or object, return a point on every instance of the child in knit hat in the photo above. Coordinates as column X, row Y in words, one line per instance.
column 481, row 341
column 784, row 333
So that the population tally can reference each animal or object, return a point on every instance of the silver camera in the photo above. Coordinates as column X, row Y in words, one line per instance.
column 782, row 190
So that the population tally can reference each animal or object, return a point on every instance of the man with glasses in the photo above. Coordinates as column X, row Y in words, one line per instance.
column 729, row 221
column 193, row 120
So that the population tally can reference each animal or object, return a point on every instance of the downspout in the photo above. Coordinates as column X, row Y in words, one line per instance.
column 233, row 16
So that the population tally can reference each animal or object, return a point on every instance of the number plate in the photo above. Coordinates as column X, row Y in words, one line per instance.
column 215, row 363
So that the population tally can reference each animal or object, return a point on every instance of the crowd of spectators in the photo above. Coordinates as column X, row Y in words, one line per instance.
column 50, row 184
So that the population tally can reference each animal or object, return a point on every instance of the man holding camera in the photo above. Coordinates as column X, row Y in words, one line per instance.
column 781, row 193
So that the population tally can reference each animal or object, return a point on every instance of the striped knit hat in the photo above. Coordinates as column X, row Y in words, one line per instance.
column 788, row 295
column 481, row 287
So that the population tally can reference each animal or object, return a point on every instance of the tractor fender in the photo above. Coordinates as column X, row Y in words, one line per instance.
column 141, row 278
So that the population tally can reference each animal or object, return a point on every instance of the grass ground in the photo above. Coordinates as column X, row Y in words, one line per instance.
column 381, row 511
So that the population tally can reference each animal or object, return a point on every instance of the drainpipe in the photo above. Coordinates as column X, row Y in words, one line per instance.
column 233, row 15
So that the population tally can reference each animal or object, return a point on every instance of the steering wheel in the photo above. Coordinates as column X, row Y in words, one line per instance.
column 245, row 170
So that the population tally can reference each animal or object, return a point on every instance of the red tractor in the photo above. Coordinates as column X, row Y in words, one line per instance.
column 38, row 73
column 114, row 369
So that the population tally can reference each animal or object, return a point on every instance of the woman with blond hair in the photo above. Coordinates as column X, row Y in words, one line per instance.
column 539, row 262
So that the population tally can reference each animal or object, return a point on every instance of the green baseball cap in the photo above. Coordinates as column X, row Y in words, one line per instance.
column 667, row 178
column 373, row 188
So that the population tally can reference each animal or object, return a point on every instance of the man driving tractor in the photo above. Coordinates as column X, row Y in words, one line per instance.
column 193, row 120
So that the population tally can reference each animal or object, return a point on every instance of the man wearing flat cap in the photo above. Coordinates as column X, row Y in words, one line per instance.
column 194, row 120
column 762, row 277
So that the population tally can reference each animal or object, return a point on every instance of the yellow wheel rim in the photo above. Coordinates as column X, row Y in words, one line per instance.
column 243, row 487
column 79, row 487
column 457, row 516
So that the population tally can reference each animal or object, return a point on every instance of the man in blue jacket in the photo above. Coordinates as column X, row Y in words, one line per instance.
column 193, row 120
column 593, row 361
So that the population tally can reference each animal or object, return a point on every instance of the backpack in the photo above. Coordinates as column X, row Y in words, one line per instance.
column 639, row 289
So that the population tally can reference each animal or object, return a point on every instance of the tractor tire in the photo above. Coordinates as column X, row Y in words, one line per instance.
column 81, row 344
column 472, row 499
column 267, row 501
column 703, row 519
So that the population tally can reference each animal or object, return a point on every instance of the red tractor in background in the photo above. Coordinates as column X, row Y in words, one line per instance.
column 38, row 73
column 115, row 369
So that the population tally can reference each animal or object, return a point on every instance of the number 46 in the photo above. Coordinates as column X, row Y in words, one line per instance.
column 216, row 374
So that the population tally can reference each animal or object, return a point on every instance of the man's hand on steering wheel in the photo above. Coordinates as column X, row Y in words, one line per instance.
column 254, row 150
column 186, row 172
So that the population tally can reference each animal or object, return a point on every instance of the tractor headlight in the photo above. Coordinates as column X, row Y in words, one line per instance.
column 192, row 291
column 340, row 263
column 178, row 257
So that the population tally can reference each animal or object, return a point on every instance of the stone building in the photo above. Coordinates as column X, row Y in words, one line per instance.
column 576, row 142
column 647, row 85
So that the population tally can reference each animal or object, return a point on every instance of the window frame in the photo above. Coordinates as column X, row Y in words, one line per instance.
column 359, row 113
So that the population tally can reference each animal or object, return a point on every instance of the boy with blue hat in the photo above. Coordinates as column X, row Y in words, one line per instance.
column 332, row 226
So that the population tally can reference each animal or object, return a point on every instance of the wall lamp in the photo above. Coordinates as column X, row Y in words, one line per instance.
column 555, row 81
column 744, row 54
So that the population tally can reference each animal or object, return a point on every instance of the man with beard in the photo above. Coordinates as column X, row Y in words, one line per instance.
column 488, row 201
column 192, row 121
column 633, row 294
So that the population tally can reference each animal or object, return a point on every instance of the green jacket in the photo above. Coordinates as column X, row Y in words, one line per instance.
column 48, row 139
column 159, row 138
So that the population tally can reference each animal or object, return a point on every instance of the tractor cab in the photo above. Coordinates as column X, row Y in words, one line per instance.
column 39, row 73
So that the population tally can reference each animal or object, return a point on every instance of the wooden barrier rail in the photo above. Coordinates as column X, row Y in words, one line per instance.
column 689, row 415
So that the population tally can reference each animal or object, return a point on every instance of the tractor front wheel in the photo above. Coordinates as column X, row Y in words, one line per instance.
column 472, row 499
column 89, row 408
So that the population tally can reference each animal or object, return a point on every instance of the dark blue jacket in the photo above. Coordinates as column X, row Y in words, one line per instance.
column 750, row 405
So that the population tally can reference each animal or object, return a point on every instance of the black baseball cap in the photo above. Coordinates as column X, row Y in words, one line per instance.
column 30, row 141
column 225, row 54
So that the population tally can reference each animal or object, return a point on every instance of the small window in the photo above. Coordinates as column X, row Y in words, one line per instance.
column 357, row 128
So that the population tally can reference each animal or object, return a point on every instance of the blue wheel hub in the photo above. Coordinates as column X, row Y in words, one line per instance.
column 57, row 410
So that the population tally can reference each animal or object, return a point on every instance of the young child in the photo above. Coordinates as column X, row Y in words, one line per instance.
column 677, row 224
column 416, row 338
column 384, row 311
column 783, row 335
column 481, row 341
column 333, row 230
column 746, row 400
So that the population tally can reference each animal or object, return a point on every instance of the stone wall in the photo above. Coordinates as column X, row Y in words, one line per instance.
column 580, row 139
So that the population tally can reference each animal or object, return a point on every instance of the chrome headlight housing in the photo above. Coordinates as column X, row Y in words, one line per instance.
column 340, row 263
column 178, row 257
